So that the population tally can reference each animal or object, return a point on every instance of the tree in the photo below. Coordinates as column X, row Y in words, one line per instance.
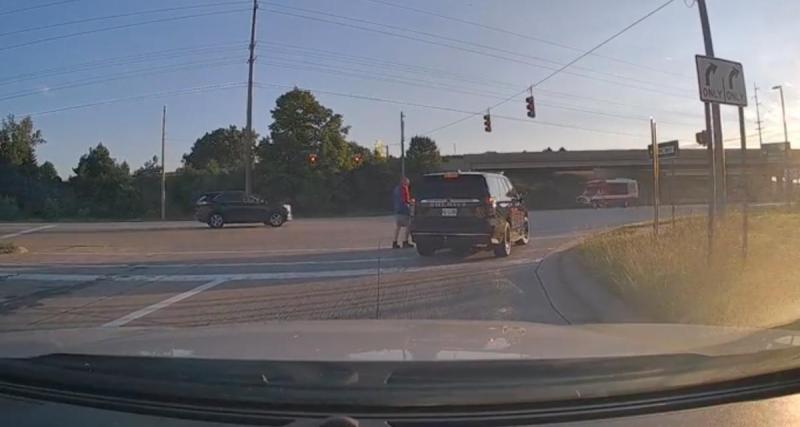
column 219, row 150
column 48, row 173
column 302, row 126
column 422, row 155
column 18, row 141
column 150, row 169
column 103, row 186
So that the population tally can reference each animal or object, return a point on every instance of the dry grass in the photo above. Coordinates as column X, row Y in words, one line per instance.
column 7, row 248
column 671, row 277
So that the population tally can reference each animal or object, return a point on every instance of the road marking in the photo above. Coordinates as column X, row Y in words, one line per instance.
column 287, row 275
column 28, row 231
column 236, row 252
column 28, row 267
column 124, row 320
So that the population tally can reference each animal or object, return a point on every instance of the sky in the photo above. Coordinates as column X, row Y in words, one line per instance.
column 90, row 71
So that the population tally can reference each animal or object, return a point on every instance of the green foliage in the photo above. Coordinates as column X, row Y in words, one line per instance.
column 422, row 156
column 8, row 208
column 18, row 141
column 104, row 186
column 220, row 150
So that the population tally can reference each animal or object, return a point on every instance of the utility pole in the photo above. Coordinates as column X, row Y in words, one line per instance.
column 779, row 88
column 163, row 170
column 656, row 176
column 402, row 145
column 721, row 196
column 248, row 129
column 787, row 173
column 758, row 116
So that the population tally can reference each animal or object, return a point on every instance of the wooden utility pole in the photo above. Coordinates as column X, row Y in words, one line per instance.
column 402, row 145
column 248, row 129
column 163, row 169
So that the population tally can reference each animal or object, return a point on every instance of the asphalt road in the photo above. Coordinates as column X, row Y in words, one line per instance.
column 76, row 275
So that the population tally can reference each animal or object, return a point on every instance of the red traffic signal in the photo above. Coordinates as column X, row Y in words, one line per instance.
column 530, row 106
column 312, row 159
column 487, row 122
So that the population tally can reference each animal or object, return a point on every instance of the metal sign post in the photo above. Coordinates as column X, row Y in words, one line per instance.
column 671, row 190
column 666, row 150
column 656, row 173
column 719, row 81
column 744, row 176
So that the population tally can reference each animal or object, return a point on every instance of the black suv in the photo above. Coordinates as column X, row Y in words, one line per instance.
column 467, row 210
column 226, row 207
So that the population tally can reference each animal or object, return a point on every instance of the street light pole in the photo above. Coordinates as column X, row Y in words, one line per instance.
column 787, row 175
column 779, row 88
column 715, row 137
column 758, row 116
column 163, row 170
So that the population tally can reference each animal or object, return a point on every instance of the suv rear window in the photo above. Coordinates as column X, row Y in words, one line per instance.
column 459, row 187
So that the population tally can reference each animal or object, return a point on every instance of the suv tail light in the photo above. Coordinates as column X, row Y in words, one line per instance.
column 489, row 206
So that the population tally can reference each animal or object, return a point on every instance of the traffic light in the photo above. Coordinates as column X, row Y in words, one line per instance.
column 531, row 107
column 312, row 159
column 701, row 138
column 487, row 122
column 357, row 159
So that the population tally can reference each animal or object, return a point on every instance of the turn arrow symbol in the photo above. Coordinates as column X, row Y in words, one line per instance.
column 734, row 73
column 712, row 68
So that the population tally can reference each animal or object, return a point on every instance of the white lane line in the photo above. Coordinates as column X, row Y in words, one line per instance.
column 40, row 267
column 237, row 252
column 287, row 275
column 161, row 304
column 28, row 231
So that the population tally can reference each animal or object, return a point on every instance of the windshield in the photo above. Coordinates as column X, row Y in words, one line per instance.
column 400, row 180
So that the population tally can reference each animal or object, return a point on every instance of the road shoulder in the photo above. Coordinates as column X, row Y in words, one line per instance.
column 579, row 296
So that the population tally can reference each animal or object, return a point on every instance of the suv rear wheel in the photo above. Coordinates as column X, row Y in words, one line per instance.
column 425, row 248
column 526, row 234
column 503, row 249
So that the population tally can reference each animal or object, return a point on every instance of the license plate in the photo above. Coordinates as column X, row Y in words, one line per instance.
column 449, row 211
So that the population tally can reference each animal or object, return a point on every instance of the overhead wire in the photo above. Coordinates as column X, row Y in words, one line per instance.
column 565, row 66
column 38, row 6
column 119, row 15
column 123, row 60
column 151, row 71
column 119, row 27
column 521, row 35
column 445, row 108
column 474, row 51
column 177, row 92
column 443, row 74
column 473, row 44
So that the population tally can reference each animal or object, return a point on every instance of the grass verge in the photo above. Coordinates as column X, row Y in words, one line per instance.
column 672, row 278
column 7, row 248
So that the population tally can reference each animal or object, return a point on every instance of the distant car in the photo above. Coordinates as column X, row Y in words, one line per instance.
column 229, row 207
column 601, row 193
column 465, row 211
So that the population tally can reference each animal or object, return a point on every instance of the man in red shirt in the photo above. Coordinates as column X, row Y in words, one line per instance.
column 402, row 212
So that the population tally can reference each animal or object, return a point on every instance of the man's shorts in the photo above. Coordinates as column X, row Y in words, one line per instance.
column 401, row 220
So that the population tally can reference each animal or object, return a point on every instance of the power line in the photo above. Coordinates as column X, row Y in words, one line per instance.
column 196, row 65
column 474, row 51
column 178, row 92
column 39, row 6
column 324, row 68
column 554, row 73
column 441, row 74
column 118, row 27
column 120, row 61
column 449, row 109
column 521, row 35
column 117, row 16
column 477, row 45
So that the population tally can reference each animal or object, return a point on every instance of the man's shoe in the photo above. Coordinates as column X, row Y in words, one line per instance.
column 395, row 245
column 408, row 245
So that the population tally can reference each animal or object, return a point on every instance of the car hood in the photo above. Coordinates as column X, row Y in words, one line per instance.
column 398, row 340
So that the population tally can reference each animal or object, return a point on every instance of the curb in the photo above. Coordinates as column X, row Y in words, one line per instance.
column 576, row 295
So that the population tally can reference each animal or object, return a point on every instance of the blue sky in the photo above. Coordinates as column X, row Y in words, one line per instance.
column 197, row 66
